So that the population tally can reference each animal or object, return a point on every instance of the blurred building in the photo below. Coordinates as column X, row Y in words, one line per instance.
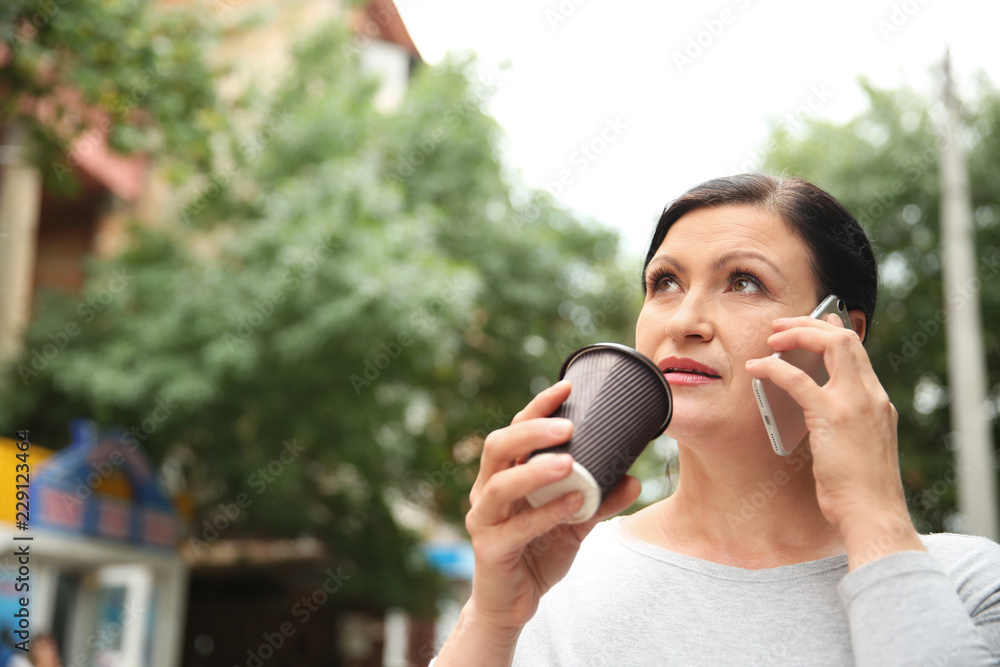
column 99, row 559
column 45, row 239
column 112, row 579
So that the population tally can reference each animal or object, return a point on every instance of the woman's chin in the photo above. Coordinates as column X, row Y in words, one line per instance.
column 691, row 423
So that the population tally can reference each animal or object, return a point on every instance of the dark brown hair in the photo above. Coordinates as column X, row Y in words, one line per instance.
column 840, row 253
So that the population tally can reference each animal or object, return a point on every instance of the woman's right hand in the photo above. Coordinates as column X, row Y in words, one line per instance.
column 521, row 551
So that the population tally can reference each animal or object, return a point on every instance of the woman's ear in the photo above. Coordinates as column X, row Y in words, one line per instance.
column 858, row 322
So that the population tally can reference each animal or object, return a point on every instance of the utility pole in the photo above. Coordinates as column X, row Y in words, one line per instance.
column 966, row 361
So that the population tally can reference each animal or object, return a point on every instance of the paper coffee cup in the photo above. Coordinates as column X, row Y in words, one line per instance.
column 620, row 401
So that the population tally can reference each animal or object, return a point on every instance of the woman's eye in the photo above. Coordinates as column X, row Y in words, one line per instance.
column 666, row 284
column 745, row 285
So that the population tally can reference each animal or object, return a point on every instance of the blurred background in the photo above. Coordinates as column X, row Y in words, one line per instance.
column 270, row 272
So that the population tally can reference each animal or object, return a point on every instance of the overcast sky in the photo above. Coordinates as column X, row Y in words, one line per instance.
column 633, row 102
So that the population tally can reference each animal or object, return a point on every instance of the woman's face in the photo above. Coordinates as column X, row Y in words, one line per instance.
column 719, row 279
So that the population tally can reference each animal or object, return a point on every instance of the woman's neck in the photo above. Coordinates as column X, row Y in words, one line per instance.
column 750, row 509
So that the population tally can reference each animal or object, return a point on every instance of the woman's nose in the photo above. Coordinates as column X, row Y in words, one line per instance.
column 692, row 318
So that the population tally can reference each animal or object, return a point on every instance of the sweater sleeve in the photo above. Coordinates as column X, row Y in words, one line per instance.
column 905, row 609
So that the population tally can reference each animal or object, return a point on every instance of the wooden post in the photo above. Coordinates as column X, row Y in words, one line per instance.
column 20, row 201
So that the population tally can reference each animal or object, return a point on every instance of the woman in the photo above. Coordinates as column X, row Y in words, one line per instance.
column 809, row 559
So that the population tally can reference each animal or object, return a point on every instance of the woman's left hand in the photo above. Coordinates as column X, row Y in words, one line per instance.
column 852, row 436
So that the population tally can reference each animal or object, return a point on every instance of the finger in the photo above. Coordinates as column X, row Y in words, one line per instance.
column 815, row 339
column 832, row 322
column 794, row 380
column 842, row 351
column 504, row 447
column 808, row 333
column 545, row 403
column 522, row 528
column 495, row 503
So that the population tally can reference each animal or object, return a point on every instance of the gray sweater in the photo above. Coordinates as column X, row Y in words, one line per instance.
column 627, row 602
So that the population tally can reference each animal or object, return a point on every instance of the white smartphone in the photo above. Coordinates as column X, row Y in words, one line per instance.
column 783, row 417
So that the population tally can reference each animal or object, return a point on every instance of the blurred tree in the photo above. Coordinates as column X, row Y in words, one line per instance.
column 883, row 165
column 93, row 71
column 374, row 294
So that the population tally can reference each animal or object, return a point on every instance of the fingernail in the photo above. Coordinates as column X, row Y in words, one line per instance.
column 573, row 502
column 752, row 362
column 560, row 428
column 560, row 461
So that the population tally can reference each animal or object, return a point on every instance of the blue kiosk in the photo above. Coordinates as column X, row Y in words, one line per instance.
column 107, row 579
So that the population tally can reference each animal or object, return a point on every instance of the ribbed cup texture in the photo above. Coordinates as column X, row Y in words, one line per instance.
column 619, row 402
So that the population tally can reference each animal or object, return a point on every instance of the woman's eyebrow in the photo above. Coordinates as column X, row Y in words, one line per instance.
column 744, row 254
column 665, row 259
column 719, row 263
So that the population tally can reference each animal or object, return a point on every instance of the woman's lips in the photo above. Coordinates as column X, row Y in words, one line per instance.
column 677, row 378
column 684, row 371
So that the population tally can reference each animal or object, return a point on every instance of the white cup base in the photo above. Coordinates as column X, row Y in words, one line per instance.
column 579, row 479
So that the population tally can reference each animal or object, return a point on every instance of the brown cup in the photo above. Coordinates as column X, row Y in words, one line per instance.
column 620, row 401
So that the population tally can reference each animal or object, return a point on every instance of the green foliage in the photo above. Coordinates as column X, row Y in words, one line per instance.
column 367, row 286
column 883, row 165
column 118, row 72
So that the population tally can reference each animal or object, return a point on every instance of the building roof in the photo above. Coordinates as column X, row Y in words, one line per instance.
column 103, row 485
column 380, row 19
